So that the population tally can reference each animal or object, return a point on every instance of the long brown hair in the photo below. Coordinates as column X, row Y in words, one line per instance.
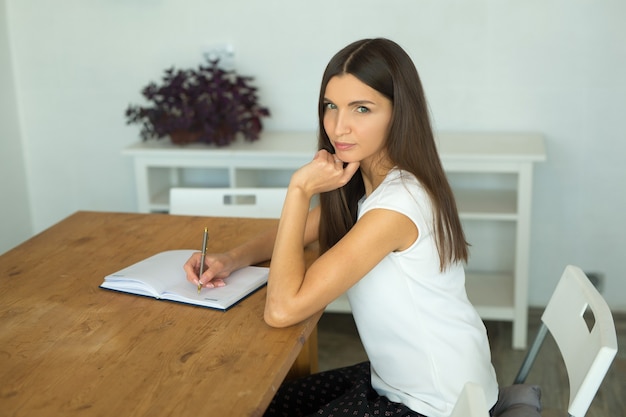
column 385, row 66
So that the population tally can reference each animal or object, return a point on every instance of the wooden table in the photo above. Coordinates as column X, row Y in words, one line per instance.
column 69, row 348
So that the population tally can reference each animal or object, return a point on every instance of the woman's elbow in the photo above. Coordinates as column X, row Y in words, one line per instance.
column 276, row 317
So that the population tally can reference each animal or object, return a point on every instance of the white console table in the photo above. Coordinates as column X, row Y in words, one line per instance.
column 490, row 173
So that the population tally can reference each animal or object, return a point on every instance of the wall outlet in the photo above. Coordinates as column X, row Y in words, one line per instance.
column 224, row 52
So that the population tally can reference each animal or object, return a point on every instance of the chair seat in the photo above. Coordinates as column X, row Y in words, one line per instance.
column 520, row 400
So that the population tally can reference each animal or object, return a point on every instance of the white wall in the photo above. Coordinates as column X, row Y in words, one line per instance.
column 552, row 66
column 15, row 218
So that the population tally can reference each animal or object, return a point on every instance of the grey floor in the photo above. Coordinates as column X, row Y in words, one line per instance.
column 339, row 345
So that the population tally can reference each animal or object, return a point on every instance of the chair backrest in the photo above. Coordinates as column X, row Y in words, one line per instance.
column 228, row 202
column 471, row 402
column 587, row 344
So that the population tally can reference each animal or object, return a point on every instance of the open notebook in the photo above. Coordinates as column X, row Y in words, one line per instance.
column 162, row 276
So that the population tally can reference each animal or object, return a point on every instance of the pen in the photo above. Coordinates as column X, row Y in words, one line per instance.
column 204, row 240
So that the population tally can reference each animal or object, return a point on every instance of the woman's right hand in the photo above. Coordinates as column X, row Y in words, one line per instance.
column 324, row 173
column 217, row 267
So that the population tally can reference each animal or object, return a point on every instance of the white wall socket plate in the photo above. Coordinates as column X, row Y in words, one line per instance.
column 225, row 52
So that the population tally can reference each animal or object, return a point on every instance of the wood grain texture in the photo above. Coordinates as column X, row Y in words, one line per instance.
column 69, row 348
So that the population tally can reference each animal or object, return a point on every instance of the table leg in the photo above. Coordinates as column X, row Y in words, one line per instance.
column 307, row 361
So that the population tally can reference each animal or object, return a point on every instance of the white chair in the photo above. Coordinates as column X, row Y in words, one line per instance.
column 228, row 202
column 471, row 402
column 587, row 349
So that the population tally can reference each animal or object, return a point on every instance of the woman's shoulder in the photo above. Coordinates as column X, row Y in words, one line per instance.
column 401, row 183
column 399, row 190
column 400, row 175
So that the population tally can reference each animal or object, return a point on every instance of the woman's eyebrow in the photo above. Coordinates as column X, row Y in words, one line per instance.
column 353, row 103
column 361, row 102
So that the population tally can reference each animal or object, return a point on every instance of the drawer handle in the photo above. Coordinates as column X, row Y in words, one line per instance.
column 239, row 199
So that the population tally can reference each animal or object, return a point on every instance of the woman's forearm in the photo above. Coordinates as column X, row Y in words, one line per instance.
column 288, row 262
column 256, row 250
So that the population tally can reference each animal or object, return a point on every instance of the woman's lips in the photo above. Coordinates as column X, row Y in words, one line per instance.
column 343, row 146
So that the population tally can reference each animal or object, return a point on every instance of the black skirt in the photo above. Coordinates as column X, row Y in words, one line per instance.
column 335, row 393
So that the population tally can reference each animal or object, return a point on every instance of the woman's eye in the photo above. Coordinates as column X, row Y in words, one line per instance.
column 329, row 106
column 362, row 109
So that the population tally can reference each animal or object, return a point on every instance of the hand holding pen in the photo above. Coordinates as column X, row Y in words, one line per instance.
column 203, row 257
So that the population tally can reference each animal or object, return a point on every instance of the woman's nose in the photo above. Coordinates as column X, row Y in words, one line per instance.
column 342, row 124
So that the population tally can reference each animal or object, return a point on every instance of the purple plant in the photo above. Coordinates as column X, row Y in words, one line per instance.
column 207, row 104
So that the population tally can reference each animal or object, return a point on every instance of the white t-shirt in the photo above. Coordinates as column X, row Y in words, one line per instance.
column 423, row 337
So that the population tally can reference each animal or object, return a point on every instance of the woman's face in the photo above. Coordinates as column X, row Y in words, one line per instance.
column 356, row 119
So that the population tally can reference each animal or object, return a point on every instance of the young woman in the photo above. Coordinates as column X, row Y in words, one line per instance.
column 389, row 236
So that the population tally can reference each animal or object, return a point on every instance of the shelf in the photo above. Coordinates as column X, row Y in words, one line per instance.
column 262, row 178
column 485, row 147
column 160, row 200
column 340, row 305
column 271, row 144
column 487, row 204
column 492, row 294
column 490, row 174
